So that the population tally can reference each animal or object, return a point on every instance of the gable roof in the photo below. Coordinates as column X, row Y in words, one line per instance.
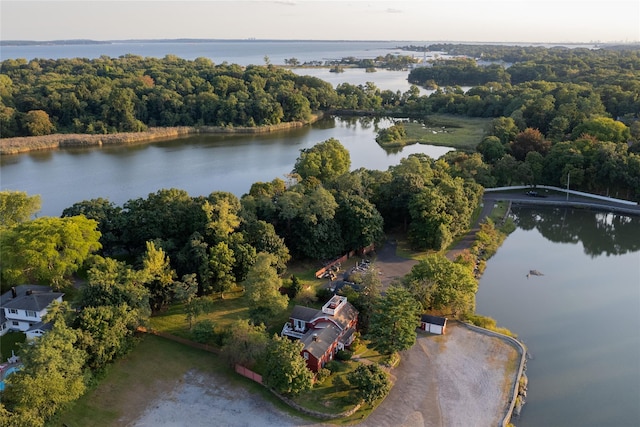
column 434, row 320
column 304, row 313
column 33, row 302
column 21, row 290
column 42, row 326
column 318, row 341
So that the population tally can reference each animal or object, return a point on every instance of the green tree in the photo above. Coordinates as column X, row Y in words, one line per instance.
column 47, row 250
column 370, row 383
column 394, row 320
column 114, row 283
column 439, row 284
column 108, row 216
column 158, row 276
column 360, row 222
column 16, row 207
column 325, row 161
column 52, row 375
column 245, row 344
column 491, row 149
column 37, row 123
column 286, row 370
column 106, row 332
column 604, row 129
column 263, row 289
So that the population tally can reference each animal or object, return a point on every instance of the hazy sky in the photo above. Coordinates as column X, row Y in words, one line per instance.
column 421, row 20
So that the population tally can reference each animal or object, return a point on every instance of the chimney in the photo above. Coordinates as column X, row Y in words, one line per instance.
column 315, row 337
column 14, row 293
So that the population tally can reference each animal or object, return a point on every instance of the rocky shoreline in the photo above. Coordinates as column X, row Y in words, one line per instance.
column 19, row 145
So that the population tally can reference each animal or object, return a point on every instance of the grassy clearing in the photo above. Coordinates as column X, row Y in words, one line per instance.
column 462, row 133
column 154, row 367
column 10, row 341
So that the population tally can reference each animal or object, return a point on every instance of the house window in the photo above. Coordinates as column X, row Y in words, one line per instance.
column 306, row 355
column 14, row 323
column 298, row 325
column 13, row 311
column 31, row 314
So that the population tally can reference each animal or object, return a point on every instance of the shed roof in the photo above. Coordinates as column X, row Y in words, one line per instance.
column 434, row 320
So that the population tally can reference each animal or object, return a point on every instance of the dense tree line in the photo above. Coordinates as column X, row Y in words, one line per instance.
column 129, row 93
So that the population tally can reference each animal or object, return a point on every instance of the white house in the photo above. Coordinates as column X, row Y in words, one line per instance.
column 24, row 306
column 433, row 324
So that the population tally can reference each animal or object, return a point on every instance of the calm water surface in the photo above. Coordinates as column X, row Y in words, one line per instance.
column 580, row 321
column 198, row 164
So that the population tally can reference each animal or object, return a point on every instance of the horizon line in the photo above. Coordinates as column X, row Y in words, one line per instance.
column 195, row 39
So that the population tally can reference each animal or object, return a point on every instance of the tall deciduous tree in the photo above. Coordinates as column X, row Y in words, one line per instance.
column 246, row 343
column 394, row 321
column 263, row 289
column 47, row 250
column 324, row 161
column 158, row 276
column 286, row 370
column 438, row 284
column 370, row 383
column 113, row 283
column 52, row 375
column 16, row 207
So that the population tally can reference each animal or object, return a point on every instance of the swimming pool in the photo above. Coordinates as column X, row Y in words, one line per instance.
column 6, row 373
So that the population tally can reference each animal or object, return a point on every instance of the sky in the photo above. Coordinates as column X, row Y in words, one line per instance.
column 531, row 21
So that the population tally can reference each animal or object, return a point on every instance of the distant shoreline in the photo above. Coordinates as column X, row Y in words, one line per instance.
column 26, row 144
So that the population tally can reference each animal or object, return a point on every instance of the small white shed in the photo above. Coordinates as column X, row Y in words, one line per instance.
column 433, row 324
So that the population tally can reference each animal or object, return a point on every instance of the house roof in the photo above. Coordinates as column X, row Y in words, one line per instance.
column 345, row 315
column 304, row 313
column 324, row 338
column 22, row 290
column 434, row 320
column 34, row 302
column 42, row 326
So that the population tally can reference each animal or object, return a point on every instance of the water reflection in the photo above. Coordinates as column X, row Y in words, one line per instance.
column 600, row 233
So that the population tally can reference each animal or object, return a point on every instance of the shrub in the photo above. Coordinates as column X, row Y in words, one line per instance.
column 322, row 375
column 324, row 294
column 203, row 331
column 333, row 366
column 344, row 355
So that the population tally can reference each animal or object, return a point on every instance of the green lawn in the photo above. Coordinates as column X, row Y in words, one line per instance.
column 462, row 133
column 149, row 371
column 10, row 341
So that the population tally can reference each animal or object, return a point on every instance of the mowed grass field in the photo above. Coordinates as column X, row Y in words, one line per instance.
column 152, row 370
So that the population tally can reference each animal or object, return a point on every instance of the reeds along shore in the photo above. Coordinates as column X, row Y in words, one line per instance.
column 49, row 142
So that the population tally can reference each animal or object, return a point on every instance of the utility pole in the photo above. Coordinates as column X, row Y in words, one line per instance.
column 568, row 178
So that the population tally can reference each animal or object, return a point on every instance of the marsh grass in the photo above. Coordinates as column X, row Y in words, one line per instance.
column 462, row 133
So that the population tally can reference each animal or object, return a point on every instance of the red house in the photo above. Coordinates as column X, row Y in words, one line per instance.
column 323, row 332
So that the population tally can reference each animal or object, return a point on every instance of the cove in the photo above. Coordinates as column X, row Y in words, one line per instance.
column 579, row 320
column 198, row 164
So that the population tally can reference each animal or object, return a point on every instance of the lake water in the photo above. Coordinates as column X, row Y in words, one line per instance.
column 580, row 320
column 197, row 164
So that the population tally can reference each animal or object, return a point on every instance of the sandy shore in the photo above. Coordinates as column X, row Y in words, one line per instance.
column 460, row 379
